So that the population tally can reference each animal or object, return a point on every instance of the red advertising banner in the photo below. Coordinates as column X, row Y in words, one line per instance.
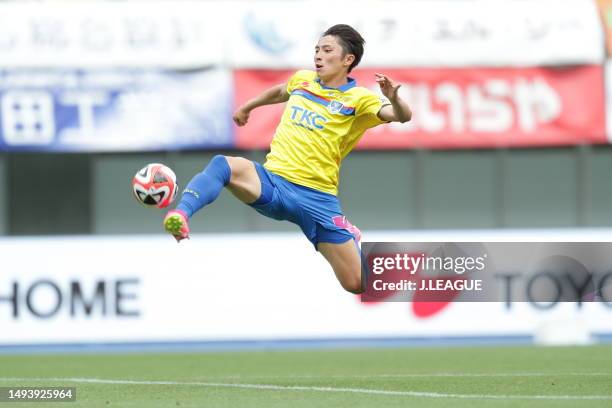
column 463, row 108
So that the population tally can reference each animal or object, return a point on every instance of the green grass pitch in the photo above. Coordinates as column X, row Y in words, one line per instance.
column 403, row 377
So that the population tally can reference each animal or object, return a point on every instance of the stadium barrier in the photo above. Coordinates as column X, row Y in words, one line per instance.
column 242, row 287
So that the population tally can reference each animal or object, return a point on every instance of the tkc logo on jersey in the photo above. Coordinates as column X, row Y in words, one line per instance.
column 307, row 118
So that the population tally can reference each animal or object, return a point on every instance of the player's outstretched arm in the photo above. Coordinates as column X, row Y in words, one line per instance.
column 276, row 94
column 398, row 111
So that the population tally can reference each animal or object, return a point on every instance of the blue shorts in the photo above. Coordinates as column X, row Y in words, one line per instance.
column 312, row 210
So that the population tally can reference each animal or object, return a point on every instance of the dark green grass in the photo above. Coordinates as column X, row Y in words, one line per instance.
column 486, row 371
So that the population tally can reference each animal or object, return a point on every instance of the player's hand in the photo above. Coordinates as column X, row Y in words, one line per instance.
column 387, row 86
column 241, row 117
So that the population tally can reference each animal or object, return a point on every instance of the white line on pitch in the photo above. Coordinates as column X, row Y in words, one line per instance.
column 403, row 375
column 273, row 387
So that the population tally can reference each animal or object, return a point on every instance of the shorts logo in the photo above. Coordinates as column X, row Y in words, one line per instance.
column 335, row 107
column 342, row 222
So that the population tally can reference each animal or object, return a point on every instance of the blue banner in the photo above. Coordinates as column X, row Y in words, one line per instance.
column 110, row 110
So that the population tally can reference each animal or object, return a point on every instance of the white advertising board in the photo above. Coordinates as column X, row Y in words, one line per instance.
column 422, row 33
column 282, row 34
column 223, row 287
column 105, row 34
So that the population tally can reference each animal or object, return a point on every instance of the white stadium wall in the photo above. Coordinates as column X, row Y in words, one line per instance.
column 135, row 289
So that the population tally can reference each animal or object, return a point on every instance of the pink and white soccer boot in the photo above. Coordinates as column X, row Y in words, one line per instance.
column 176, row 224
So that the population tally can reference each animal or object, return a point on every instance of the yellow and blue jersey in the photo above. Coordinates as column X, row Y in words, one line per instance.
column 319, row 127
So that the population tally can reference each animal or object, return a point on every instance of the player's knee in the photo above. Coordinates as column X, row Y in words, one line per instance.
column 220, row 160
column 353, row 287
column 352, row 283
column 237, row 165
column 219, row 168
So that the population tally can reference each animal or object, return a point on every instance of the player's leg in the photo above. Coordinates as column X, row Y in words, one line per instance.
column 244, row 183
column 345, row 260
column 320, row 217
column 236, row 173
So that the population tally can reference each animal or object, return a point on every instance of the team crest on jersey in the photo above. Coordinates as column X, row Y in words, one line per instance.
column 335, row 107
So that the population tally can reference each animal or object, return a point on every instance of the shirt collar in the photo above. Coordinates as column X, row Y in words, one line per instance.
column 343, row 88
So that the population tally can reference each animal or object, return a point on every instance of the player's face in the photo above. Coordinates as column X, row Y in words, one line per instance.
column 329, row 57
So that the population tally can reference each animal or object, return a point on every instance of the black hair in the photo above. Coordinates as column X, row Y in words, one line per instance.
column 351, row 41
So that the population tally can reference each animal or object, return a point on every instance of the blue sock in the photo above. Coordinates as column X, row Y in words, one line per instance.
column 205, row 187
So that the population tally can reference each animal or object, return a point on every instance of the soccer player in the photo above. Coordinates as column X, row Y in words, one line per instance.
column 326, row 115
